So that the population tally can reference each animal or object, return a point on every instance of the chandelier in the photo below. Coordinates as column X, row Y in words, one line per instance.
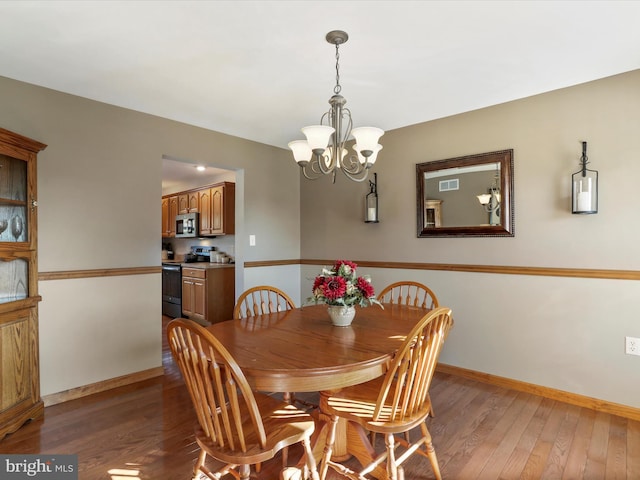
column 324, row 151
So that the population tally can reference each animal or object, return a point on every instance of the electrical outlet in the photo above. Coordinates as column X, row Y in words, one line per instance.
column 632, row 346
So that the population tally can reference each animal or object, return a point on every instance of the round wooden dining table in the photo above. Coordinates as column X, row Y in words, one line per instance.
column 300, row 350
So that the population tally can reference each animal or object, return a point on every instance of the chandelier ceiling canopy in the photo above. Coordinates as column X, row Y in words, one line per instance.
column 325, row 149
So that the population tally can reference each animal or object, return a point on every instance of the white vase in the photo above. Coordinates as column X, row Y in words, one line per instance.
column 341, row 316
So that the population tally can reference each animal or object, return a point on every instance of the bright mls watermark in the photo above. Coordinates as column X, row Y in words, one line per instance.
column 49, row 467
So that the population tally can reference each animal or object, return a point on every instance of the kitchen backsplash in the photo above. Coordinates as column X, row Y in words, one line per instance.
column 224, row 243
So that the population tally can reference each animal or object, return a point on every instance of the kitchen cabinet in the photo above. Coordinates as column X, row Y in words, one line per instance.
column 208, row 293
column 193, row 293
column 219, row 219
column 19, row 356
column 169, row 212
column 215, row 204
column 188, row 202
column 205, row 211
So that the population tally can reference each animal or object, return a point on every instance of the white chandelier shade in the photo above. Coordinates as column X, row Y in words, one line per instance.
column 318, row 137
column 367, row 138
column 301, row 151
column 370, row 159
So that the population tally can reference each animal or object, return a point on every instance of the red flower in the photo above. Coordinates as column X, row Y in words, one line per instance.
column 349, row 264
column 334, row 288
column 318, row 282
column 365, row 287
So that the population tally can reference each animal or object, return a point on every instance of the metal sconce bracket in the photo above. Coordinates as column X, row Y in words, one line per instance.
column 584, row 187
column 371, row 202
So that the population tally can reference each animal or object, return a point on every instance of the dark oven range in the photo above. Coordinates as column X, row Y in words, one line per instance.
column 171, row 290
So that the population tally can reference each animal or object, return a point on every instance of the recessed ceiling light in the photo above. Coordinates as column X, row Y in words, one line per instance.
column 200, row 168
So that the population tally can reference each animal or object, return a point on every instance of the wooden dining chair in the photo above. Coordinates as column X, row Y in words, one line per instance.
column 393, row 404
column 261, row 299
column 236, row 426
column 409, row 293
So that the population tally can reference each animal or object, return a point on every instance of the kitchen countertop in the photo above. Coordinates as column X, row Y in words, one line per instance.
column 203, row 265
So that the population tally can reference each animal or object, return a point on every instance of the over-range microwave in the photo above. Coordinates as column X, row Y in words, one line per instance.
column 187, row 225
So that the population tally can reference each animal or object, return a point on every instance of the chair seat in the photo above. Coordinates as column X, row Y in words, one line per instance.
column 284, row 424
column 358, row 403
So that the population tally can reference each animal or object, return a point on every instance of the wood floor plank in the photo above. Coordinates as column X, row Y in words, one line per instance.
column 577, row 457
column 557, row 458
column 518, row 459
column 537, row 462
column 463, row 424
column 507, row 433
column 597, row 453
column 491, row 412
column 616, row 464
column 449, row 408
column 489, row 441
column 633, row 449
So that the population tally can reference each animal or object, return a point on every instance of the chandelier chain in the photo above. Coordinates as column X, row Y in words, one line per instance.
column 337, row 88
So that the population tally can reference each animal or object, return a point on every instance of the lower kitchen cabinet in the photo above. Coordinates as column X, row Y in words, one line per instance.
column 208, row 294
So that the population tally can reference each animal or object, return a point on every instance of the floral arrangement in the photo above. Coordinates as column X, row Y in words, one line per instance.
column 341, row 286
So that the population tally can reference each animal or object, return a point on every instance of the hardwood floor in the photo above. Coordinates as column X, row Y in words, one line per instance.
column 144, row 431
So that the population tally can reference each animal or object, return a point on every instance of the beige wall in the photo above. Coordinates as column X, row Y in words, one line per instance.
column 557, row 332
column 99, row 184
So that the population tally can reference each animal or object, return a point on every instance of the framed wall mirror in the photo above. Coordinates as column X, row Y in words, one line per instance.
column 466, row 196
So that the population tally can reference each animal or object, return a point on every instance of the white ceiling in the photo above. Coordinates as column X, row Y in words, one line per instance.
column 260, row 70
column 177, row 174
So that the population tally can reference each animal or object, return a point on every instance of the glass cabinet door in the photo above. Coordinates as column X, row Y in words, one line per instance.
column 14, row 228
column 13, row 200
column 14, row 280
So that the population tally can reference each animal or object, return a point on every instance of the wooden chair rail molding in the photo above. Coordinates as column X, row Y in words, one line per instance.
column 547, row 392
column 101, row 272
column 450, row 267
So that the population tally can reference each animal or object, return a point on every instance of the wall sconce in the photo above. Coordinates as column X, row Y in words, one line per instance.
column 584, row 194
column 491, row 201
column 371, row 201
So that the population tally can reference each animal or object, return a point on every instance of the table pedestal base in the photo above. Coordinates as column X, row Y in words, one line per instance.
column 351, row 441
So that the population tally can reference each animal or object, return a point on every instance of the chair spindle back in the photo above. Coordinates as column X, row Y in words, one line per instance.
column 219, row 390
column 409, row 293
column 406, row 385
column 260, row 300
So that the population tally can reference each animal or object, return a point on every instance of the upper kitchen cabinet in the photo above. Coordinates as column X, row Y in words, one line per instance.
column 215, row 203
column 220, row 218
column 188, row 202
column 169, row 213
column 19, row 357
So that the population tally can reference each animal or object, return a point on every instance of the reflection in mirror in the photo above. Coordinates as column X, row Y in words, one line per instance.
column 466, row 196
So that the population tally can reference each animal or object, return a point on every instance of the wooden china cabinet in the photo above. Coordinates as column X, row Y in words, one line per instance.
column 19, row 357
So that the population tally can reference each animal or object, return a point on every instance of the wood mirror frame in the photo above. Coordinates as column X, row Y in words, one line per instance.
column 505, row 228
